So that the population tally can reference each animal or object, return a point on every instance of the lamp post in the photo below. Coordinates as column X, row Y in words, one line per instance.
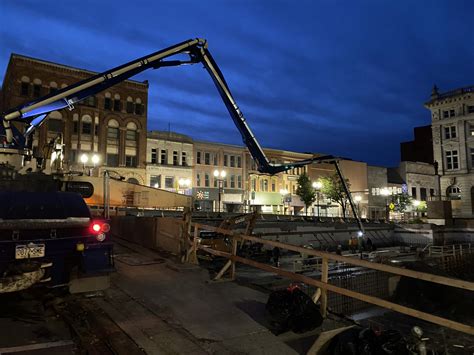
column 317, row 187
column 385, row 192
column 283, row 193
column 357, row 199
column 220, row 176
column 84, row 160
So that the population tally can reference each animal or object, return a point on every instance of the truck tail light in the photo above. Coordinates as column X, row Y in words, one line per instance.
column 99, row 229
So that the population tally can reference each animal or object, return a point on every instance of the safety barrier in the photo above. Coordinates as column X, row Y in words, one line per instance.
column 322, row 284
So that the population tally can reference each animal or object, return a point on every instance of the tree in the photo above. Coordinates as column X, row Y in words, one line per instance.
column 305, row 191
column 333, row 189
column 402, row 201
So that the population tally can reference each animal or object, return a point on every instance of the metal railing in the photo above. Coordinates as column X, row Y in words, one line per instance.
column 322, row 284
column 450, row 250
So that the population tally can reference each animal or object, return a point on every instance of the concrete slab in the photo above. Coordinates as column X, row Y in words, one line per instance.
column 224, row 317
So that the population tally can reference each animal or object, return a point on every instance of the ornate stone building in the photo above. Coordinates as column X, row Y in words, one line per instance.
column 112, row 124
column 452, row 116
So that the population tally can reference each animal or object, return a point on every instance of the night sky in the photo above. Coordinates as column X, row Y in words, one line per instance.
column 347, row 78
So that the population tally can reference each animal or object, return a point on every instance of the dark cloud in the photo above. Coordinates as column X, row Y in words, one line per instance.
column 343, row 78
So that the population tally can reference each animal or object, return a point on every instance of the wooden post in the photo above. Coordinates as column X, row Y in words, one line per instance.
column 234, row 253
column 191, row 255
column 324, row 292
column 316, row 295
column 223, row 270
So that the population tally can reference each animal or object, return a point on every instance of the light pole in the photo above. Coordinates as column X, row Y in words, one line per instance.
column 283, row 193
column 317, row 187
column 220, row 176
column 385, row 192
column 357, row 199
column 84, row 160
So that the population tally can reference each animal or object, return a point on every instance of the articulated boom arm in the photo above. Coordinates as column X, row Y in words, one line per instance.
column 35, row 112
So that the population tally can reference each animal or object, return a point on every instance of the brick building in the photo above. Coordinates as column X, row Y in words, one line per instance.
column 112, row 124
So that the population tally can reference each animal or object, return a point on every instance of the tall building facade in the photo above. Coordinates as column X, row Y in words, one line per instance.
column 111, row 124
column 452, row 115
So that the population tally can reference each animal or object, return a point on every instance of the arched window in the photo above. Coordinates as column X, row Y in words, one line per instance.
column 133, row 181
column 453, row 192
column 86, row 123
column 139, row 108
column 25, row 86
column 117, row 103
column 53, row 86
column 130, row 106
column 108, row 101
column 113, row 131
column 131, row 135
column 55, row 123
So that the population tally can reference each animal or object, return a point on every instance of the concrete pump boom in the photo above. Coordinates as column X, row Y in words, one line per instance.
column 35, row 112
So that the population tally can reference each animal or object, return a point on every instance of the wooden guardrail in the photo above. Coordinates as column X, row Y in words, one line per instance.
column 323, row 284
column 450, row 250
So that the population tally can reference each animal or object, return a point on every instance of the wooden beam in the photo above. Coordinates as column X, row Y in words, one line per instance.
column 234, row 253
column 224, row 269
column 324, row 292
column 442, row 280
column 365, row 298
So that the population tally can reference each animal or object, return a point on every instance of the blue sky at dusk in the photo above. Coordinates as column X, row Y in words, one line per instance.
column 347, row 78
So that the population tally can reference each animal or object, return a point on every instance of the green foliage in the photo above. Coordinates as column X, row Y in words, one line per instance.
column 333, row 189
column 402, row 202
column 305, row 190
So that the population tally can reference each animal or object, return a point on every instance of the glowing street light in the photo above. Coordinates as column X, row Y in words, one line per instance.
column 220, row 175
column 95, row 159
column 317, row 185
column 283, row 193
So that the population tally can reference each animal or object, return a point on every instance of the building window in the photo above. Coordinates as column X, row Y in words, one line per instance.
column 55, row 125
column 131, row 135
column 72, row 156
column 254, row 184
column 206, row 180
column 432, row 192
column 86, row 127
column 36, row 90
column 175, row 158
column 472, row 157
column 169, row 182
column 25, row 89
column 198, row 158
column 413, row 192
column 139, row 109
column 155, row 181
column 207, row 158
column 232, row 181
column 214, row 157
column 232, row 161
column 470, row 109
column 75, row 127
column 453, row 192
column 107, row 103
column 449, row 113
column 239, row 181
column 89, row 101
column 450, row 132
column 422, row 194
column 117, row 105
column 225, row 182
column 112, row 133
column 131, row 160
column 112, row 159
column 273, row 186
column 452, row 162
column 129, row 107
column 52, row 89
column 226, row 157
column 264, row 185
column 215, row 182
column 183, row 159
column 471, row 129
column 154, row 156
column 163, row 159
column 198, row 180
column 239, row 161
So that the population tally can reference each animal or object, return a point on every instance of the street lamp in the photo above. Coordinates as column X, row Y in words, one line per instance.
column 317, row 186
column 184, row 184
column 385, row 192
column 357, row 199
column 84, row 159
column 220, row 176
column 283, row 193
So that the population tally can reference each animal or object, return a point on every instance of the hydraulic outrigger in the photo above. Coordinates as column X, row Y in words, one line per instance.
column 35, row 112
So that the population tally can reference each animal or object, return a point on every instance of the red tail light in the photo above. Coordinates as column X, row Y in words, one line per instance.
column 99, row 227
column 96, row 227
